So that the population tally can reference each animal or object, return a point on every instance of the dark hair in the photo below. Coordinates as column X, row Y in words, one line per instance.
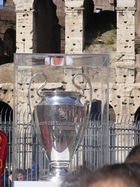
column 134, row 167
column 71, row 181
column 116, row 172
column 78, row 178
column 134, row 155
column 20, row 171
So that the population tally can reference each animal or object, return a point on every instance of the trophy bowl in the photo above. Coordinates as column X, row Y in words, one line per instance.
column 60, row 120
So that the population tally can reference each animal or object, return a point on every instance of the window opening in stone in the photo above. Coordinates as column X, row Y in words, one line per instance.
column 137, row 115
column 8, row 46
column 46, row 27
column 99, row 28
column 137, row 126
column 95, row 110
column 112, row 116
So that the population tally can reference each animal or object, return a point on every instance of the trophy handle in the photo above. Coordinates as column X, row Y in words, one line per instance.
column 38, row 90
column 80, row 87
column 39, row 94
column 87, row 106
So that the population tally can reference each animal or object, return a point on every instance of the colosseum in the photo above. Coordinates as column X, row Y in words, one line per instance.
column 76, row 27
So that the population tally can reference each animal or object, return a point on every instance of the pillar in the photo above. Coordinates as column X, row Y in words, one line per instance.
column 74, row 26
column 125, row 70
column 24, row 26
column 126, row 29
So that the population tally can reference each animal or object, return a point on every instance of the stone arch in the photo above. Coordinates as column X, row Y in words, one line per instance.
column 112, row 115
column 46, row 27
column 137, row 125
column 137, row 115
column 8, row 21
column 88, row 12
column 10, row 43
column 6, row 91
column 96, row 110
column 6, row 112
column 99, row 25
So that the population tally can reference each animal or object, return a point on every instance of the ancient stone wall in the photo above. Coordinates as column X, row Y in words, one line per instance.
column 24, row 26
column 7, row 17
column 60, row 11
column 74, row 26
column 104, row 5
column 6, row 84
column 125, row 70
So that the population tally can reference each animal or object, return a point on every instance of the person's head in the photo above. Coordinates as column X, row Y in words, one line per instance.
column 71, row 181
column 20, row 175
column 78, row 178
column 117, row 175
column 134, row 167
column 82, row 171
column 134, row 155
column 110, row 183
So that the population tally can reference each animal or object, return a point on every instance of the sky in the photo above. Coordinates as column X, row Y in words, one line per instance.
column 1, row 2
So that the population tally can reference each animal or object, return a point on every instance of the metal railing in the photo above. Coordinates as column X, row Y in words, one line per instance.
column 122, row 136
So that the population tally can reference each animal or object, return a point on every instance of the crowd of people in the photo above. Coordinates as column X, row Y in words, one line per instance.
column 125, row 174
column 29, row 174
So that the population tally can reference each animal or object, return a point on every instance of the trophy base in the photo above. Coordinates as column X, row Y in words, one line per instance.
column 56, row 175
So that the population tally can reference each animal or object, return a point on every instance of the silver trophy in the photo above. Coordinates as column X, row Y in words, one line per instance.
column 60, row 120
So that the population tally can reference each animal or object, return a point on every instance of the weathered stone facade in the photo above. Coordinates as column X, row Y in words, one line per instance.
column 104, row 5
column 7, row 17
column 74, row 26
column 124, row 62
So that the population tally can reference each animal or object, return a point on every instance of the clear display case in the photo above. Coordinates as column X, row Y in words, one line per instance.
column 60, row 70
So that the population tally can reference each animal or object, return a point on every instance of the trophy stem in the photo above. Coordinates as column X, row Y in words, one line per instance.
column 55, row 174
